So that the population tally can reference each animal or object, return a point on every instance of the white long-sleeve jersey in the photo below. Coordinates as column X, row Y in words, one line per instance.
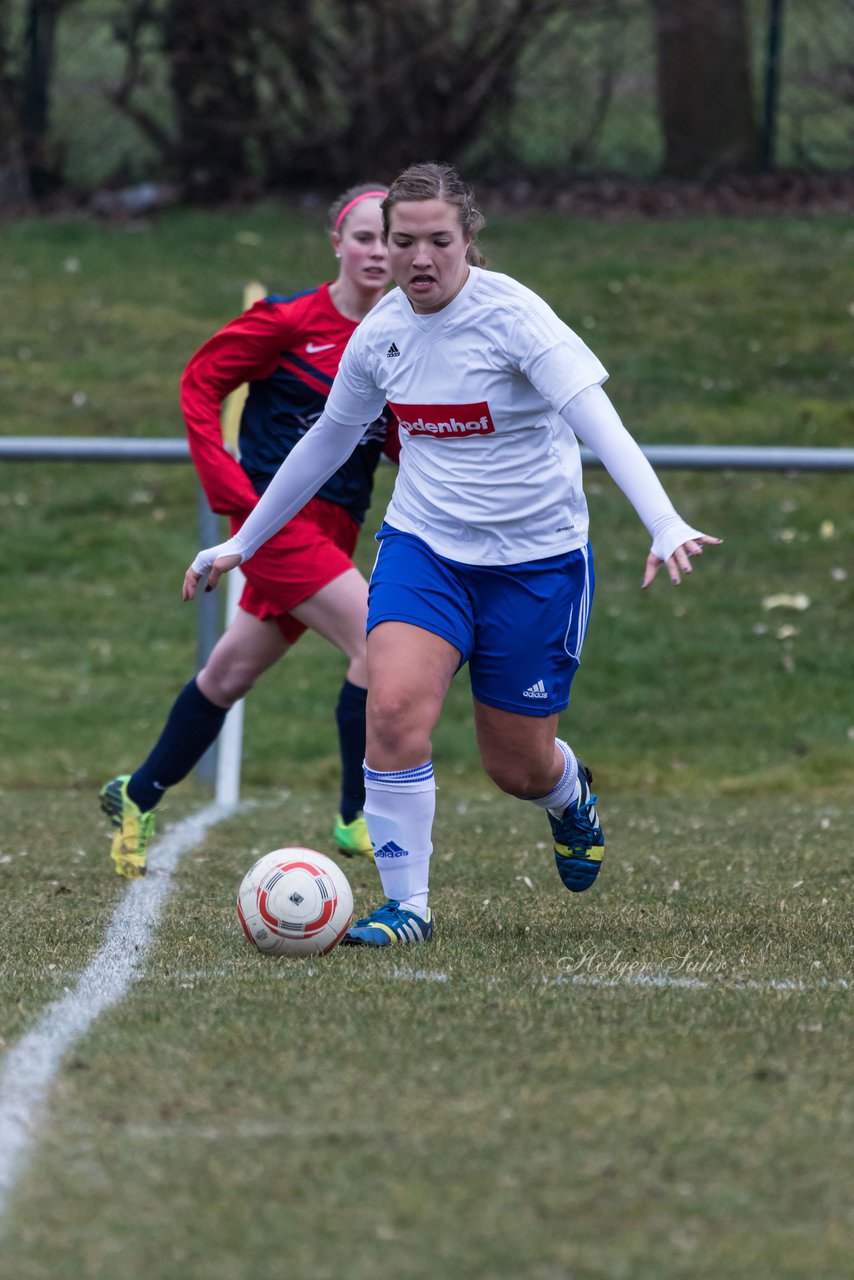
column 492, row 394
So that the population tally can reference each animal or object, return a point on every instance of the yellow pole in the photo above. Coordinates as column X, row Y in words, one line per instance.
column 232, row 406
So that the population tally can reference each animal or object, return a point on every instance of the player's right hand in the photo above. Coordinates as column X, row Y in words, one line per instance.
column 211, row 564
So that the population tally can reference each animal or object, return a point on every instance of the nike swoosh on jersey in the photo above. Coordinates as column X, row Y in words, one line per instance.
column 313, row 347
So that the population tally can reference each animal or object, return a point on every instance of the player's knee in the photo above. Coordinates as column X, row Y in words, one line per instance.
column 226, row 685
column 396, row 726
column 516, row 776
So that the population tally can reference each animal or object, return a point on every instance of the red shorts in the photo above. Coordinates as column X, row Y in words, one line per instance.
column 313, row 549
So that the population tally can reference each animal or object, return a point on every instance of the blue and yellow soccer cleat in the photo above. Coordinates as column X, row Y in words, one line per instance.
column 578, row 838
column 352, row 839
column 134, row 830
column 388, row 925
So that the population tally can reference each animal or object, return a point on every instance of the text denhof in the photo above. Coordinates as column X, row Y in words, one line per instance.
column 444, row 421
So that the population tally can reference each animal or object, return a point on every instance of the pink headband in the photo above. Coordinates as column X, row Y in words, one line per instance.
column 366, row 195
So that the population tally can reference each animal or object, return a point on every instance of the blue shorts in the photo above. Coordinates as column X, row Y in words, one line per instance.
column 520, row 627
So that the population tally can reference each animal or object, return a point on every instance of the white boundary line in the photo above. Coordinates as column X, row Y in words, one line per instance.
column 298, row 971
column 32, row 1063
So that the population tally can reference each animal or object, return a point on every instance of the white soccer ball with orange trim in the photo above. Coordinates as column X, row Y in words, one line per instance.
column 295, row 902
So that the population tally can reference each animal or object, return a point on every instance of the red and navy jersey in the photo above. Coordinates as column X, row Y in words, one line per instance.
column 288, row 350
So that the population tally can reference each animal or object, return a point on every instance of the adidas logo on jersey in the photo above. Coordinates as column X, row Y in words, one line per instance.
column 392, row 351
column 537, row 690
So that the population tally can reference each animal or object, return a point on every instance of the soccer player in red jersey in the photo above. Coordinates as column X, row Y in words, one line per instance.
column 287, row 349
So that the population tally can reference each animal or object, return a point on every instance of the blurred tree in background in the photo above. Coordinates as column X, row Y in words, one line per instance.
column 230, row 99
column 705, row 92
column 268, row 96
column 31, row 161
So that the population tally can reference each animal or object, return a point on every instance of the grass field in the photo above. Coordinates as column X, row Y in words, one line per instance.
column 648, row 1081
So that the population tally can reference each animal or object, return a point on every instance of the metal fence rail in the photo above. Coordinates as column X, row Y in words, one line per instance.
column 689, row 457
column 91, row 449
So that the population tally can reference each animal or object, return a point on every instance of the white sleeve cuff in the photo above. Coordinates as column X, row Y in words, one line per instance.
column 204, row 560
column 669, row 533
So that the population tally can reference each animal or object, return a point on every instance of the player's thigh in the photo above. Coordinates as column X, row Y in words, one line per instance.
column 420, row 630
column 247, row 648
column 309, row 553
column 411, row 584
column 338, row 612
column 409, row 672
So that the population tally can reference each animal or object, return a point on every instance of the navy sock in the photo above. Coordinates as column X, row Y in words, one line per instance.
column 350, row 714
column 194, row 723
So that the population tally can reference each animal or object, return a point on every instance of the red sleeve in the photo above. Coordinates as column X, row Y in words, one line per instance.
column 391, row 448
column 245, row 350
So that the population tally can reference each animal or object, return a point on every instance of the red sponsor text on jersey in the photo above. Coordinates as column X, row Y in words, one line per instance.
column 444, row 421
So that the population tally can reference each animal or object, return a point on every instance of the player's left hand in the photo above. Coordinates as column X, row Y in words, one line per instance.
column 679, row 562
column 214, row 571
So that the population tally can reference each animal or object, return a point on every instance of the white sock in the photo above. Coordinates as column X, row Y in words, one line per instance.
column 399, row 809
column 566, row 789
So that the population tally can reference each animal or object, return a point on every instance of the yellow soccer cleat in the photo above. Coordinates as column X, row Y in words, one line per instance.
column 352, row 838
column 134, row 830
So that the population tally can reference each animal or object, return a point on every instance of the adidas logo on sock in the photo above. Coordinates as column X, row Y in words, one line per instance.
column 537, row 690
column 392, row 351
column 390, row 850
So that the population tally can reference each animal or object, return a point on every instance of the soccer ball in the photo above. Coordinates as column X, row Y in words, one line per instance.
column 295, row 902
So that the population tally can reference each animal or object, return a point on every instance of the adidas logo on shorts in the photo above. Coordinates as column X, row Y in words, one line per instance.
column 537, row 690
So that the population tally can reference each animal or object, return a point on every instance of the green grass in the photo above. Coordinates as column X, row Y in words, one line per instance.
column 509, row 1102
column 714, row 330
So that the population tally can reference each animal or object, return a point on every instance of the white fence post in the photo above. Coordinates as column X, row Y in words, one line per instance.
column 230, row 743
column 208, row 626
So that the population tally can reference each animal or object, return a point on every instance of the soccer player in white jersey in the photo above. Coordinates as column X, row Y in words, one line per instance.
column 484, row 556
